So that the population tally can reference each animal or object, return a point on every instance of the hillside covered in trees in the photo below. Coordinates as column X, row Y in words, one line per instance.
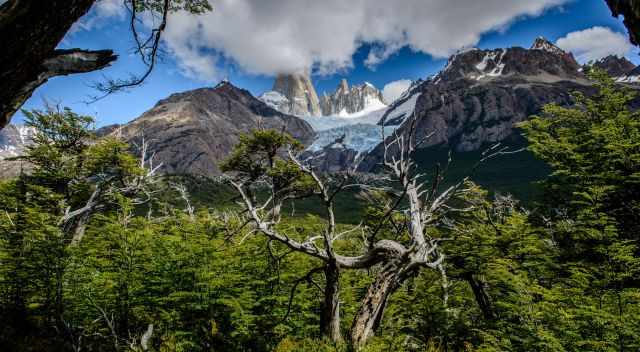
column 98, row 252
column 380, row 176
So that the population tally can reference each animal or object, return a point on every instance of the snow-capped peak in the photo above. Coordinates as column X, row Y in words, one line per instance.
column 14, row 139
column 541, row 43
column 356, row 100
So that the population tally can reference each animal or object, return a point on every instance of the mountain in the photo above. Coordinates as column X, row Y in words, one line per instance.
column 479, row 97
column 345, row 100
column 293, row 94
column 613, row 65
column 13, row 141
column 191, row 132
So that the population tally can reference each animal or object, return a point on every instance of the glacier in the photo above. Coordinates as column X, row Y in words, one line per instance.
column 362, row 131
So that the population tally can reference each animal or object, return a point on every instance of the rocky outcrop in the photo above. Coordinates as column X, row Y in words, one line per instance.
column 192, row 132
column 333, row 157
column 293, row 94
column 480, row 96
column 613, row 65
column 543, row 62
column 13, row 141
column 350, row 100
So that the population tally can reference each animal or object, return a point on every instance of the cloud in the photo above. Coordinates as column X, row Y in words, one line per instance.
column 394, row 90
column 99, row 15
column 595, row 43
column 281, row 36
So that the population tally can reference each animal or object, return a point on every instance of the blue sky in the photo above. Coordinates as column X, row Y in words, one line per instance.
column 170, row 77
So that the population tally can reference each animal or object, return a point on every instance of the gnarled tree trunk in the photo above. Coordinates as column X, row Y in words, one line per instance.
column 371, row 310
column 30, row 30
column 330, row 316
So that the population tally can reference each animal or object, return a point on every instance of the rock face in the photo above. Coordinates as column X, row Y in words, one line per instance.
column 621, row 69
column 13, row 141
column 191, row 132
column 333, row 157
column 347, row 100
column 293, row 94
column 614, row 66
column 479, row 97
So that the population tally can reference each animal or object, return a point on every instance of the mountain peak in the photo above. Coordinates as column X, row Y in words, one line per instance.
column 347, row 100
column 613, row 65
column 541, row 43
column 484, row 65
column 301, row 96
column 343, row 87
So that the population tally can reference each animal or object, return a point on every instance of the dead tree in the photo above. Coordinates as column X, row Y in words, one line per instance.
column 267, row 162
column 105, row 185
column 426, row 208
column 421, row 207
column 418, row 208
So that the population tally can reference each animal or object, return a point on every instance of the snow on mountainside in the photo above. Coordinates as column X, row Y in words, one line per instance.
column 542, row 43
column 361, row 133
column 14, row 139
column 632, row 76
column 346, row 100
column 619, row 68
column 403, row 107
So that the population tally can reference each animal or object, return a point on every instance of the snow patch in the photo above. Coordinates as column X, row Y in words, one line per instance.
column 628, row 79
column 398, row 114
column 360, row 130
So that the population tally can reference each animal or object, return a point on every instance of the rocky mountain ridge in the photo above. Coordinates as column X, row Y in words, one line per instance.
column 349, row 100
column 14, row 139
column 191, row 132
column 476, row 100
column 293, row 94
column 613, row 65
column 481, row 95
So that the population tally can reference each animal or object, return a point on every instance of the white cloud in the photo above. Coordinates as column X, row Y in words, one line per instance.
column 394, row 90
column 100, row 13
column 595, row 43
column 276, row 36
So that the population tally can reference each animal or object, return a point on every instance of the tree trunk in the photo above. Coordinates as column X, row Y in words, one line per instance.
column 30, row 30
column 630, row 10
column 482, row 298
column 330, row 316
column 371, row 310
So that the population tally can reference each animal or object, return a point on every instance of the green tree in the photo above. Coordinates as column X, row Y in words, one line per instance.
column 591, row 203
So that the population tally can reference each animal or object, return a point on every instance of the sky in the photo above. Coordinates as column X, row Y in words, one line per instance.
column 386, row 43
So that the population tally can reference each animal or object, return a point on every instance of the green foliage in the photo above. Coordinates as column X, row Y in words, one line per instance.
column 560, row 277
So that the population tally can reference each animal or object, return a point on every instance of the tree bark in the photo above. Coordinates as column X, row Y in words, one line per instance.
column 30, row 30
column 371, row 310
column 330, row 316
column 482, row 298
column 630, row 9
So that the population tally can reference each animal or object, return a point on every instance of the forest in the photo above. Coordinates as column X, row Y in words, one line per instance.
column 100, row 252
